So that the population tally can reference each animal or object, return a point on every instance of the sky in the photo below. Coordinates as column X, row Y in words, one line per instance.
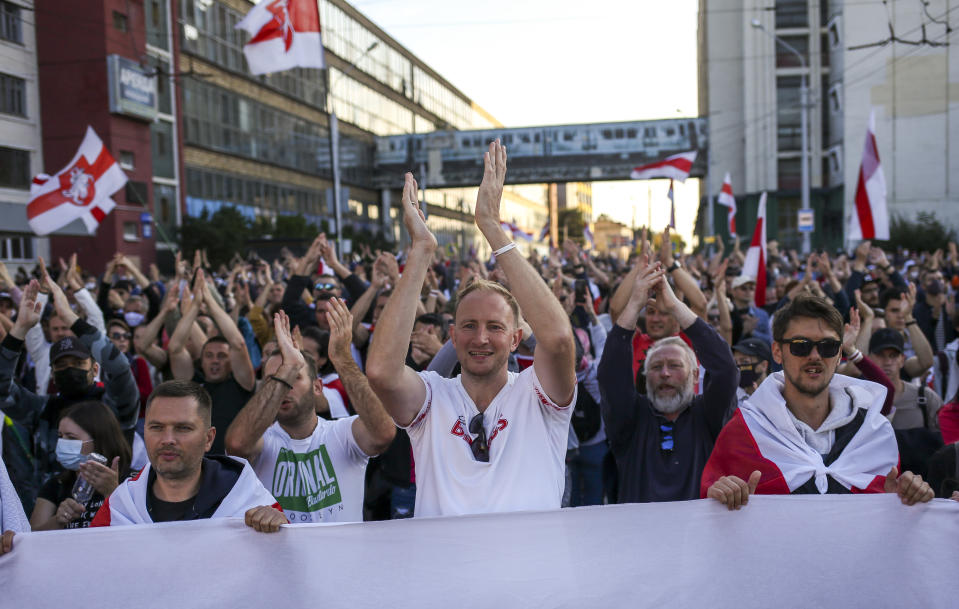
column 560, row 62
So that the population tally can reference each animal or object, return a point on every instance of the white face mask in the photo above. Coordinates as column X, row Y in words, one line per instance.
column 69, row 453
column 133, row 319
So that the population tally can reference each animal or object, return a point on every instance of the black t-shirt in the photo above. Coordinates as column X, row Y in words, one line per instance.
column 229, row 398
column 59, row 488
column 168, row 511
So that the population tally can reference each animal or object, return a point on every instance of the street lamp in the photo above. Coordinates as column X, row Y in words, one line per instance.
column 335, row 148
column 803, row 124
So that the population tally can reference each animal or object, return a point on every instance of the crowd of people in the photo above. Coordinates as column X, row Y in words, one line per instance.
column 422, row 383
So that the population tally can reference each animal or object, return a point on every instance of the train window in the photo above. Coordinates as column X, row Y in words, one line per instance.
column 524, row 137
column 619, row 134
column 419, row 144
column 670, row 131
column 508, row 138
column 466, row 142
column 631, row 133
column 607, row 134
column 536, row 138
column 476, row 142
column 568, row 136
column 682, row 130
column 649, row 132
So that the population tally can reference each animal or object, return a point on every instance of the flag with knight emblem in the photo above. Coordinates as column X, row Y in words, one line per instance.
column 285, row 34
column 81, row 190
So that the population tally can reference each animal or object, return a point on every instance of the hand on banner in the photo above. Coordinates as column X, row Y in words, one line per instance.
column 732, row 491
column 910, row 487
column 265, row 519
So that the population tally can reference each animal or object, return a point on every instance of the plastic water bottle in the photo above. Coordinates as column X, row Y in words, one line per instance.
column 82, row 489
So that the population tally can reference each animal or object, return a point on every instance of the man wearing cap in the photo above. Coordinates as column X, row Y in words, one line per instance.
column 755, row 321
column 75, row 361
column 752, row 357
column 887, row 350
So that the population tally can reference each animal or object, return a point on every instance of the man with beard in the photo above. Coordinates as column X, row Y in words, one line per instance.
column 807, row 430
column 75, row 361
column 487, row 440
column 180, row 483
column 661, row 440
column 315, row 468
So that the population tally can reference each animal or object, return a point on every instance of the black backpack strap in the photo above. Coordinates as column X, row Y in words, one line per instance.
column 922, row 401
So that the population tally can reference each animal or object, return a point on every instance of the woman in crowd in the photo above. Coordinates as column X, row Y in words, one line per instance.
column 85, row 428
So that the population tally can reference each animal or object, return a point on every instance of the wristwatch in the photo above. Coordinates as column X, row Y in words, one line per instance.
column 673, row 266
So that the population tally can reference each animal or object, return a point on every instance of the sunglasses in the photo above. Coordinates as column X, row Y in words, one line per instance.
column 480, row 446
column 801, row 347
column 666, row 437
column 325, row 286
column 120, row 335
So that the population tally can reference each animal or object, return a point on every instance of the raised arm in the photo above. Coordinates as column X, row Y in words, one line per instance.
column 399, row 388
column 555, row 350
column 181, row 362
column 146, row 343
column 244, row 437
column 239, row 355
column 373, row 429
column 684, row 281
column 923, row 359
column 360, row 334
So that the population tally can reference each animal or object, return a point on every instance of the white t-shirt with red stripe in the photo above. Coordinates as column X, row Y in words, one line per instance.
column 527, row 435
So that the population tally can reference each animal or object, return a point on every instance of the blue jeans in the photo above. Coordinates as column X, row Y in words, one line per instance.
column 586, row 472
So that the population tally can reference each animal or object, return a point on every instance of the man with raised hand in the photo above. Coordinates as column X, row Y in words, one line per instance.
column 808, row 430
column 661, row 439
column 315, row 468
column 487, row 440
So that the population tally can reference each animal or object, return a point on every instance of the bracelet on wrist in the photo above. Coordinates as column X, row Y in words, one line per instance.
column 280, row 381
column 509, row 246
column 911, row 322
column 855, row 357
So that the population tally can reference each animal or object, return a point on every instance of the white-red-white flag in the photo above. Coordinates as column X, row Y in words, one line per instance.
column 80, row 190
column 726, row 199
column 676, row 167
column 516, row 231
column 588, row 235
column 285, row 34
column 870, row 219
column 755, row 264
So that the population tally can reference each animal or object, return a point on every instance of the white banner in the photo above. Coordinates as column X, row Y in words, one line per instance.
column 802, row 551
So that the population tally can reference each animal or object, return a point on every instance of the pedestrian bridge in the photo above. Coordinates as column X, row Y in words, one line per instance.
column 559, row 153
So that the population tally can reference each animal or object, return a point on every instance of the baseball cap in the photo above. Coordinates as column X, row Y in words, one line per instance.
column 886, row 338
column 68, row 345
column 755, row 347
column 743, row 280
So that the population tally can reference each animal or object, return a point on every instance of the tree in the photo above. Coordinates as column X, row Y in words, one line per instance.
column 221, row 234
column 926, row 233
column 570, row 225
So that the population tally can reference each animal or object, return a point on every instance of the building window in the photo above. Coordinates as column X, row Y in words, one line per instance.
column 16, row 247
column 790, row 175
column 14, row 168
column 791, row 14
column 788, row 113
column 13, row 95
column 119, row 21
column 127, row 160
column 11, row 26
column 786, row 58
column 156, row 23
column 131, row 231
column 161, row 134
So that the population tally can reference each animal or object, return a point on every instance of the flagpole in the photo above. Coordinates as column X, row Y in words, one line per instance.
column 335, row 149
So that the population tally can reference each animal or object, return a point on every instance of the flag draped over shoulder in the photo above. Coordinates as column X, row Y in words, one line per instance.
column 676, row 167
column 285, row 34
column 726, row 199
column 755, row 264
column 870, row 219
column 81, row 190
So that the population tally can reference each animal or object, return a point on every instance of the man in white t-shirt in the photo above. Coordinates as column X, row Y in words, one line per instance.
column 487, row 440
column 315, row 468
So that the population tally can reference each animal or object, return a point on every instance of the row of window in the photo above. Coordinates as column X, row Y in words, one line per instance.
column 795, row 13
column 208, row 29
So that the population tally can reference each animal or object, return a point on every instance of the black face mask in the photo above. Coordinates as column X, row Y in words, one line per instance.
column 72, row 382
column 747, row 375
